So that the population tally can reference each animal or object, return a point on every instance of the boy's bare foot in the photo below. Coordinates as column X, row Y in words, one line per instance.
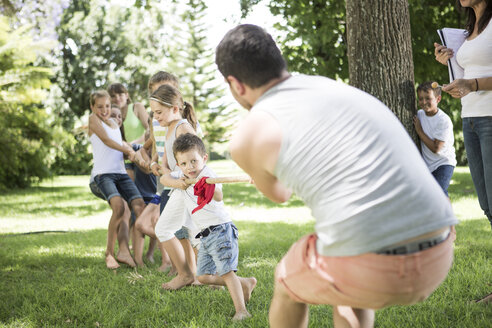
column 164, row 267
column 125, row 258
column 172, row 272
column 196, row 283
column 216, row 287
column 241, row 316
column 150, row 257
column 178, row 282
column 248, row 285
column 111, row 262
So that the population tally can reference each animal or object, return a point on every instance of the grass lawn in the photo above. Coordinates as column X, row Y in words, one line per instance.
column 52, row 271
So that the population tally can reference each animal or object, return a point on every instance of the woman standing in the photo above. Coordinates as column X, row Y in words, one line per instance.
column 475, row 91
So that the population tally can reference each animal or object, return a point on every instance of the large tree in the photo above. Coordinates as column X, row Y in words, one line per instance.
column 307, row 50
column 380, row 54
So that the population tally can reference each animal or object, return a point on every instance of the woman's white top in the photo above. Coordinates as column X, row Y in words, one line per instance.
column 475, row 56
column 107, row 159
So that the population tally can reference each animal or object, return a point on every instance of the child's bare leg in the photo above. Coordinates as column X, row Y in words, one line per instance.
column 247, row 284
column 150, row 252
column 285, row 312
column 138, row 207
column 138, row 247
column 345, row 316
column 146, row 220
column 116, row 204
column 190, row 257
column 166, row 261
column 185, row 276
column 236, row 287
column 124, row 255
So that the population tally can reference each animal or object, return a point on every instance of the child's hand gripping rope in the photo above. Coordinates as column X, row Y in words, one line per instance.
column 204, row 188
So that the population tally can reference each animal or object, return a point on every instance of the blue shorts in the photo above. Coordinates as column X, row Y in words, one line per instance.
column 116, row 184
column 95, row 190
column 164, row 199
column 219, row 251
column 183, row 233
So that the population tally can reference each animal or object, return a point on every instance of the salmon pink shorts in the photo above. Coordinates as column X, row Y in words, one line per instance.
column 366, row 281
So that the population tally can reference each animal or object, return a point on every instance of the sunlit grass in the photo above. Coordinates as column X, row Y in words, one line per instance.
column 58, row 279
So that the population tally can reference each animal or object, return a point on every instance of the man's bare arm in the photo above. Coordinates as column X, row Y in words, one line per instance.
column 255, row 148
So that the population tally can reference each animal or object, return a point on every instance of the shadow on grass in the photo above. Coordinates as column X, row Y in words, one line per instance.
column 46, row 201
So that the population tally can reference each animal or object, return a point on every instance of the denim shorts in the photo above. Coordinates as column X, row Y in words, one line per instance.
column 219, row 251
column 95, row 190
column 117, row 184
column 183, row 233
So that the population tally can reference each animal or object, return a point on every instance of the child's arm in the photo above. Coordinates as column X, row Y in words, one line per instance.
column 95, row 126
column 218, row 195
column 167, row 179
column 184, row 128
column 142, row 160
column 143, row 116
column 434, row 145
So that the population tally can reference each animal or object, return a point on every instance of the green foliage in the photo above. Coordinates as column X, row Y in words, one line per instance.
column 193, row 61
column 314, row 42
column 102, row 44
column 26, row 130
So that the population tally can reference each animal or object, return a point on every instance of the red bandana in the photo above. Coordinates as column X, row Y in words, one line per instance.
column 205, row 193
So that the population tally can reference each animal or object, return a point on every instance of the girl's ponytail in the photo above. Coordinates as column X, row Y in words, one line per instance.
column 189, row 114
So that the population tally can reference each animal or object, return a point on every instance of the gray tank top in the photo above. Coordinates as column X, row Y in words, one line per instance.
column 351, row 161
column 171, row 161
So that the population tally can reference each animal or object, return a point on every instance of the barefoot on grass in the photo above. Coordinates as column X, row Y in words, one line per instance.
column 241, row 316
column 178, row 282
column 164, row 267
column 111, row 262
column 125, row 258
column 172, row 272
column 150, row 257
column 248, row 285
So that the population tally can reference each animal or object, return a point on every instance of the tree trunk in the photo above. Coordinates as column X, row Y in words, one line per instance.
column 379, row 47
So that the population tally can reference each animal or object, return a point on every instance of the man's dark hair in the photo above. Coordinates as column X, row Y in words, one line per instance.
column 187, row 142
column 426, row 86
column 250, row 54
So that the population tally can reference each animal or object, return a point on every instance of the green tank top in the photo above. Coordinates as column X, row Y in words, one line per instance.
column 133, row 127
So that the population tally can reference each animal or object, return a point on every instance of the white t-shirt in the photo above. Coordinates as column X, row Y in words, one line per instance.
column 211, row 214
column 352, row 162
column 107, row 159
column 475, row 56
column 437, row 127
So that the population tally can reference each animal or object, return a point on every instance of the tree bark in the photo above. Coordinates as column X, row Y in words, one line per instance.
column 380, row 60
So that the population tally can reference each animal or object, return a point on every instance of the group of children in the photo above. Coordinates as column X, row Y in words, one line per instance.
column 163, row 207
column 202, row 246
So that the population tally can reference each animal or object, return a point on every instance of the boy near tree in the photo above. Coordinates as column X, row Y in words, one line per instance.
column 218, row 253
column 435, row 130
